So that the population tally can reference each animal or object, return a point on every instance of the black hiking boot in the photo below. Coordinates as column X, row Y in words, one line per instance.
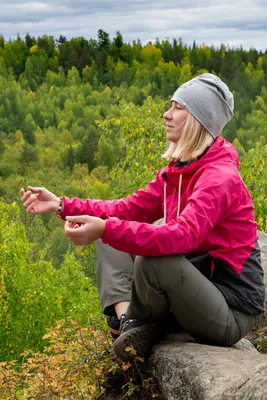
column 142, row 335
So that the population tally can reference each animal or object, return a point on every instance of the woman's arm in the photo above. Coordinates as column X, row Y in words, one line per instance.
column 145, row 205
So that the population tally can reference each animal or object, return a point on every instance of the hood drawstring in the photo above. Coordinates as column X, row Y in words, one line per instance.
column 179, row 195
column 164, row 204
column 178, row 199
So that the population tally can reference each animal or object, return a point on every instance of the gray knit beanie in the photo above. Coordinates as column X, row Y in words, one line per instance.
column 209, row 100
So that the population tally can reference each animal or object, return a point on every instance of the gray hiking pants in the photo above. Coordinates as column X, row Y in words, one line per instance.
column 156, row 285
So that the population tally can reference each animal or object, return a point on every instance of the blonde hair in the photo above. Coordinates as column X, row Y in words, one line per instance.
column 194, row 140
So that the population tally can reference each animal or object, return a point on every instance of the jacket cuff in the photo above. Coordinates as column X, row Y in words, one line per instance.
column 65, row 211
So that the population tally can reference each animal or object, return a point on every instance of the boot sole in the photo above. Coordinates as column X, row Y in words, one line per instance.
column 142, row 338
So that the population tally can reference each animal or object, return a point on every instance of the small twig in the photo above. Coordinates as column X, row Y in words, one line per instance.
column 83, row 342
column 83, row 398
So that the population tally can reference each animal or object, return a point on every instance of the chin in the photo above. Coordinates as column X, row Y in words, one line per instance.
column 172, row 139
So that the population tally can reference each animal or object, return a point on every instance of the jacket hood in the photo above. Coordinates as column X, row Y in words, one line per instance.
column 220, row 152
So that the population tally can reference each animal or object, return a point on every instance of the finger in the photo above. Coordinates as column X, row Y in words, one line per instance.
column 68, row 228
column 26, row 196
column 75, row 227
column 22, row 192
column 78, row 219
column 35, row 189
column 73, row 232
column 31, row 209
column 69, row 225
column 29, row 201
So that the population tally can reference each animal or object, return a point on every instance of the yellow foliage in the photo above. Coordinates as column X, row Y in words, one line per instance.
column 34, row 49
column 92, row 389
column 260, row 224
column 120, row 67
column 3, row 295
column 74, row 365
column 108, row 91
column 19, row 140
column 151, row 55
column 126, row 366
column 260, row 101
column 62, row 124
column 131, row 350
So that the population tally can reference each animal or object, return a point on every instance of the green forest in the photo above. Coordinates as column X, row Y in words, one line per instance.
column 83, row 118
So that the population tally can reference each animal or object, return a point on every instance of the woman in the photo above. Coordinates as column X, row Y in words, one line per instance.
column 202, row 265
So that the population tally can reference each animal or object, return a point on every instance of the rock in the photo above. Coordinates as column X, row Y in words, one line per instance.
column 245, row 344
column 187, row 370
column 261, row 321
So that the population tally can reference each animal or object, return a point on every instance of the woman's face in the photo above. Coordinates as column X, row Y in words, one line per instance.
column 175, row 119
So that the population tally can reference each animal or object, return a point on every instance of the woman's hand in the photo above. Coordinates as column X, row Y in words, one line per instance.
column 83, row 229
column 38, row 200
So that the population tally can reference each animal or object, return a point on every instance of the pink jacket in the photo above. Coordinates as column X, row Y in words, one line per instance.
column 209, row 218
column 207, row 208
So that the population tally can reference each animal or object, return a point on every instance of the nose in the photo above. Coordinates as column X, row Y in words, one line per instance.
column 167, row 114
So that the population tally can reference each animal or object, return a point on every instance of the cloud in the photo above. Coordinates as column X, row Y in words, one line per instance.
column 243, row 22
column 260, row 3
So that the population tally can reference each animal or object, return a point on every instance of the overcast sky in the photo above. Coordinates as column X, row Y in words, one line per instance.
column 233, row 22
